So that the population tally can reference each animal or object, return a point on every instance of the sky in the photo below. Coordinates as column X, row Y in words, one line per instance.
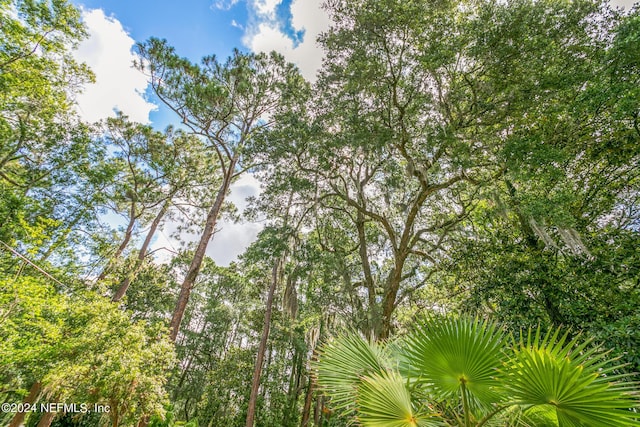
column 195, row 28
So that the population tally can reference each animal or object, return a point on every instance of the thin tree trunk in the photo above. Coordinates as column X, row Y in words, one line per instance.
column 266, row 368
column 122, row 290
column 294, row 389
column 308, row 398
column 251, row 411
column 47, row 419
column 230, row 338
column 306, row 411
column 317, row 412
column 31, row 398
column 198, row 257
column 191, row 358
column 127, row 237
column 372, row 312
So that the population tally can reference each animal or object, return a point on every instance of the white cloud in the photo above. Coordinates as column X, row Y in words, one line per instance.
column 626, row 4
column 224, row 4
column 310, row 16
column 231, row 238
column 246, row 186
column 265, row 34
column 118, row 85
column 269, row 37
column 266, row 8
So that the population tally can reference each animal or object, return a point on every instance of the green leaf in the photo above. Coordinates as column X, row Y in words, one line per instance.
column 343, row 363
column 450, row 355
column 385, row 401
column 569, row 381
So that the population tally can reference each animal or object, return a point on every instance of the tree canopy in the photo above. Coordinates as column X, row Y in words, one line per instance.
column 449, row 225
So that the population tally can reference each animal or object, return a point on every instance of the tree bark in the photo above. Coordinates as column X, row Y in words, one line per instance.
column 127, row 237
column 311, row 388
column 255, row 384
column 122, row 289
column 266, row 368
column 294, row 385
column 198, row 257
column 47, row 419
column 373, row 312
column 31, row 398
column 306, row 410
column 318, row 410
column 389, row 302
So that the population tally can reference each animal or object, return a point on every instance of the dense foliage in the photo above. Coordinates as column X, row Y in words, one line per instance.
column 463, row 160
column 467, row 372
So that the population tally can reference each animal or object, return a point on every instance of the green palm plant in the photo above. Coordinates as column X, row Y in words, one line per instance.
column 468, row 372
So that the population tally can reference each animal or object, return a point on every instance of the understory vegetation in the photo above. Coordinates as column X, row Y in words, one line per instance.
column 449, row 214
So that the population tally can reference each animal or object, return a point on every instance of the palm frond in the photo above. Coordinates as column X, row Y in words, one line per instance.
column 452, row 355
column 343, row 363
column 384, row 401
column 569, row 382
column 474, row 375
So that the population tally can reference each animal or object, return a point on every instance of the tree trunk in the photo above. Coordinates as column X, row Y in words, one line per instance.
column 372, row 312
column 122, row 290
column 308, row 398
column 389, row 302
column 127, row 237
column 47, row 419
column 251, row 411
column 198, row 257
column 31, row 398
column 266, row 368
column 318, row 411
column 294, row 386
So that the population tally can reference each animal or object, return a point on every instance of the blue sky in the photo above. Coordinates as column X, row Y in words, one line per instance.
column 195, row 28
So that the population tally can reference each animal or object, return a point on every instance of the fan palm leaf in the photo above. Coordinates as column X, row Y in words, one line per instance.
column 384, row 401
column 343, row 363
column 457, row 357
column 476, row 376
column 564, row 382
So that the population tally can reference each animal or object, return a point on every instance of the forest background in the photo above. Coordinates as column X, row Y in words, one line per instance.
column 435, row 163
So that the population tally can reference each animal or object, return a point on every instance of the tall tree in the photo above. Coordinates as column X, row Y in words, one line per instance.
column 556, row 232
column 422, row 109
column 226, row 104
column 41, row 140
column 153, row 175
column 388, row 148
column 136, row 188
